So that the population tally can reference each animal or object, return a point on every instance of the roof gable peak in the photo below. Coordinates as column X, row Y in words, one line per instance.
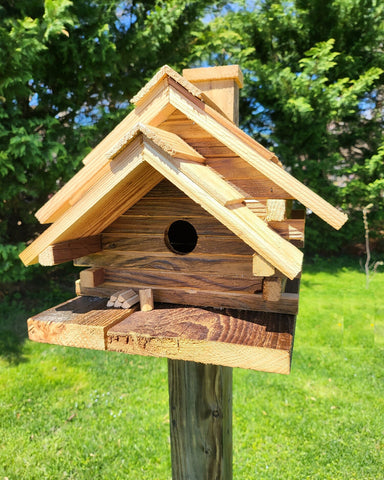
column 167, row 141
column 165, row 71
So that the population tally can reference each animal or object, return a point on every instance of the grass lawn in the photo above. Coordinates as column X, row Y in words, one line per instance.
column 67, row 413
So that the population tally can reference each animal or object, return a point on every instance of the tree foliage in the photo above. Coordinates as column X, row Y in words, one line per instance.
column 314, row 93
column 67, row 71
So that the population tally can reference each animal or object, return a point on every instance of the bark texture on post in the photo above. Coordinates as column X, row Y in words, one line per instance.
column 200, row 404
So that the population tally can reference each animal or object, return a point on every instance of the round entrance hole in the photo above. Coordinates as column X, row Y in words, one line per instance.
column 181, row 237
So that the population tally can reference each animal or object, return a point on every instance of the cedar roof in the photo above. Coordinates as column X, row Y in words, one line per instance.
column 137, row 154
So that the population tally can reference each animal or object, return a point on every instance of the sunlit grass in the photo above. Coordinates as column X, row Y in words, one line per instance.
column 77, row 414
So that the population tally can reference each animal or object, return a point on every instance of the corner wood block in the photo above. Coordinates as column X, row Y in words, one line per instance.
column 66, row 251
column 260, row 267
column 146, row 299
column 272, row 288
column 92, row 277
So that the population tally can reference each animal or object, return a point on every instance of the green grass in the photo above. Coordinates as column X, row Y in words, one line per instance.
column 77, row 414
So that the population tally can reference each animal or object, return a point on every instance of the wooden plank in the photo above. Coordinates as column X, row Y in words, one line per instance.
column 96, row 161
column 147, row 278
column 243, row 301
column 165, row 72
column 66, row 251
column 146, row 299
column 207, row 188
column 200, row 411
column 225, row 72
column 238, row 265
column 291, row 229
column 165, row 189
column 152, row 207
column 233, row 138
column 258, row 207
column 193, row 264
column 154, row 243
column 210, row 147
column 202, row 176
column 127, row 180
column 207, row 101
column 92, row 277
column 182, row 126
column 169, row 142
column 244, row 176
column 142, row 224
column 253, row 340
column 80, row 322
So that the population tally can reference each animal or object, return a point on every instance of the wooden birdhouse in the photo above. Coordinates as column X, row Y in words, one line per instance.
column 181, row 211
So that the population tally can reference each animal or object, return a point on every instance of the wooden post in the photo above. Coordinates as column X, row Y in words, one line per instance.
column 200, row 405
column 200, row 396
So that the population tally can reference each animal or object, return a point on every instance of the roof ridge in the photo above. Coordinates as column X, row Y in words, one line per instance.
column 164, row 71
column 167, row 141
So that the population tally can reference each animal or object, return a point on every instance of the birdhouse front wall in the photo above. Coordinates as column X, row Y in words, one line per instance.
column 170, row 244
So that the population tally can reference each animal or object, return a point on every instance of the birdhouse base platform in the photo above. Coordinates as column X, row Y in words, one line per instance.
column 235, row 338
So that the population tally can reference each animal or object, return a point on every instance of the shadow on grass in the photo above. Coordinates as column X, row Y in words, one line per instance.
column 333, row 264
column 21, row 301
column 11, row 347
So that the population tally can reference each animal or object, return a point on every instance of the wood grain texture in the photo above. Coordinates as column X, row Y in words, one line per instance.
column 233, row 138
column 219, row 265
column 169, row 142
column 146, row 299
column 164, row 72
column 288, row 302
column 92, row 277
column 200, row 411
column 143, row 224
column 79, row 322
column 127, row 180
column 252, row 340
column 96, row 161
column 276, row 210
column 186, row 280
column 272, row 287
column 205, row 187
column 67, row 251
column 260, row 267
column 225, row 72
column 155, row 243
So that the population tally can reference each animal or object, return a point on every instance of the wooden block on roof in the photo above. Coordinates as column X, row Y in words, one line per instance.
column 219, row 85
column 80, row 322
column 233, row 338
column 225, row 72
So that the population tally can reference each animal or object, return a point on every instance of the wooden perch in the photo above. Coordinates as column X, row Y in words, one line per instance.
column 146, row 299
